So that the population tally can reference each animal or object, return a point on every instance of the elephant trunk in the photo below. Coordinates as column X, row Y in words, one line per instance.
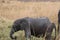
column 11, row 34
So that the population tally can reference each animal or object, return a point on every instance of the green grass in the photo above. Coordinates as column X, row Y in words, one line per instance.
column 5, row 27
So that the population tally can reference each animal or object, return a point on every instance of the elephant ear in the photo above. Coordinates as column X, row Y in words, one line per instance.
column 23, row 20
column 23, row 23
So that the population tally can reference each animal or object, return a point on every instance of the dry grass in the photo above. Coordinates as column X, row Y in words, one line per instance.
column 16, row 9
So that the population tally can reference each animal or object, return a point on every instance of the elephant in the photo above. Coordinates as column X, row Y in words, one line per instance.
column 38, row 27
column 59, row 22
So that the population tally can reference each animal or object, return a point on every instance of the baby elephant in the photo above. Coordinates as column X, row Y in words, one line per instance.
column 38, row 27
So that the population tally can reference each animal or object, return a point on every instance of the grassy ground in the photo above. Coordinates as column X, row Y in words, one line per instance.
column 12, row 10
column 4, row 29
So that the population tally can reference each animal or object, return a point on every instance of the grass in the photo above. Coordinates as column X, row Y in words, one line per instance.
column 5, row 26
column 15, row 9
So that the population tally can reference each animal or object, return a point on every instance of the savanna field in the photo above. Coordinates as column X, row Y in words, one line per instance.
column 12, row 10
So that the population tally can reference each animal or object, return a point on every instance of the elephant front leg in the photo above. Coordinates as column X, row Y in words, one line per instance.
column 28, row 35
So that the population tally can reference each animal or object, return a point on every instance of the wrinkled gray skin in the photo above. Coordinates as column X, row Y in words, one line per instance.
column 33, row 26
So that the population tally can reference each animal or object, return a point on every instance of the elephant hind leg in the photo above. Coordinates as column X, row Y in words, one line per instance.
column 48, row 36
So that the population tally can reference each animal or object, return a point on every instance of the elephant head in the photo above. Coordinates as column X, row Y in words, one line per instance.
column 17, row 25
column 14, row 29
